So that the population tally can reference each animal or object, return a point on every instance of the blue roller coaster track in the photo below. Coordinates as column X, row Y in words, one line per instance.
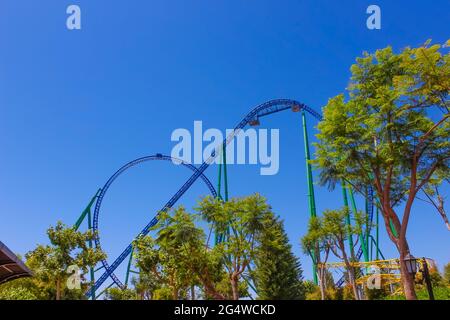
column 262, row 110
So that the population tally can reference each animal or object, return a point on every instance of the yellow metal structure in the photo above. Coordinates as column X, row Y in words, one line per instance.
column 389, row 271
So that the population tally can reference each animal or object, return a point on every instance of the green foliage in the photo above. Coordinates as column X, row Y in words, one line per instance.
column 121, row 294
column 447, row 274
column 335, row 228
column 278, row 273
column 330, row 294
column 440, row 293
column 377, row 294
column 309, row 286
column 20, row 289
column 241, row 220
column 392, row 132
column 384, row 134
column 50, row 263
column 164, row 258
column 329, row 233
column 145, row 285
column 177, row 258
column 314, row 241
column 436, row 279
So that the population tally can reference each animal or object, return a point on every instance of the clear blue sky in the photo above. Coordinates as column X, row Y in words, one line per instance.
column 76, row 105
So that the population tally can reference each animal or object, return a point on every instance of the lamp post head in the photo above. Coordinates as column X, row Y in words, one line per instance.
column 411, row 263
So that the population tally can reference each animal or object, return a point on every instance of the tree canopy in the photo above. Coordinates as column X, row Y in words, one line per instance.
column 391, row 132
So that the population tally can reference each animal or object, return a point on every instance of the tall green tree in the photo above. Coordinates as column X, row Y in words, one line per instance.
column 50, row 263
column 242, row 220
column 392, row 132
column 278, row 273
column 316, row 245
column 336, row 232
column 145, row 285
column 177, row 259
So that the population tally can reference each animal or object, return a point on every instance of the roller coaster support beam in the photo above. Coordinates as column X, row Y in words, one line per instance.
column 91, row 269
column 220, row 237
column 309, row 180
column 377, row 234
column 127, row 276
column 348, row 220
column 219, row 182
column 364, row 245
column 223, row 163
column 87, row 212
column 379, row 253
column 225, row 176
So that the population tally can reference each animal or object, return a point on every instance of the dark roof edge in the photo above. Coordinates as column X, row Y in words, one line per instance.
column 14, row 258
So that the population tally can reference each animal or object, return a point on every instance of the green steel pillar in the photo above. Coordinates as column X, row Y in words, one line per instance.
column 219, row 237
column 377, row 235
column 91, row 269
column 225, row 176
column 349, row 223
column 368, row 227
column 364, row 245
column 219, row 182
column 87, row 212
column 309, row 181
column 394, row 231
column 127, row 276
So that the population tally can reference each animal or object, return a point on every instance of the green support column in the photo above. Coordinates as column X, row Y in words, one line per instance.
column 91, row 269
column 219, row 237
column 219, row 182
column 87, row 213
column 225, row 176
column 368, row 227
column 127, row 276
column 309, row 181
column 361, row 236
column 377, row 235
column 349, row 223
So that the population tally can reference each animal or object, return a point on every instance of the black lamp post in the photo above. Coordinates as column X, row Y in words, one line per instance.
column 426, row 275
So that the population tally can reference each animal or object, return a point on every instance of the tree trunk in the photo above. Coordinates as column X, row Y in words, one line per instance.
column 175, row 293
column 402, row 245
column 321, row 273
column 192, row 293
column 351, row 272
column 407, row 278
column 351, row 276
column 234, row 286
column 212, row 292
column 58, row 289
column 209, row 286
